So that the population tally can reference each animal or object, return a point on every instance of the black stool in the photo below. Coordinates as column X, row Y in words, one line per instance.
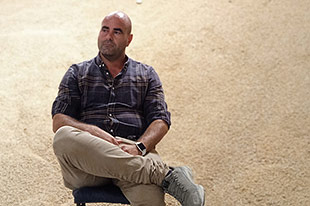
column 107, row 193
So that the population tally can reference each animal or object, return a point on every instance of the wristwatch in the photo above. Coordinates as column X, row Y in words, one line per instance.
column 141, row 148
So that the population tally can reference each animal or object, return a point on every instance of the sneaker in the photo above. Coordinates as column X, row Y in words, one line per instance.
column 179, row 183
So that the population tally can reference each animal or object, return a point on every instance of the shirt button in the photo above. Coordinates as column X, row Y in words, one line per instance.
column 107, row 73
column 111, row 130
column 110, row 115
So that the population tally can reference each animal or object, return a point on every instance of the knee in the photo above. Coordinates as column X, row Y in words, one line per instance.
column 62, row 139
column 150, row 197
column 153, row 195
column 158, row 201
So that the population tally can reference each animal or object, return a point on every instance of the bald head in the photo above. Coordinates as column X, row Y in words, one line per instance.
column 114, row 36
column 124, row 18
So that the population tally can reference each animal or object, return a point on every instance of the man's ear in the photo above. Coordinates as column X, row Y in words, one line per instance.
column 129, row 39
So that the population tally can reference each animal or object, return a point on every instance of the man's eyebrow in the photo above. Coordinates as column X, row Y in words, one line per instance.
column 115, row 29
column 118, row 29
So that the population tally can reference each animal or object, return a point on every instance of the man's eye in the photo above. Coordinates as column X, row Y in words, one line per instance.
column 104, row 30
column 117, row 32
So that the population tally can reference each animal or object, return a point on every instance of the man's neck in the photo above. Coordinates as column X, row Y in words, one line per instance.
column 114, row 66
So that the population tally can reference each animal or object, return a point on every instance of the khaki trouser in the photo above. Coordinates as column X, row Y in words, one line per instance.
column 87, row 160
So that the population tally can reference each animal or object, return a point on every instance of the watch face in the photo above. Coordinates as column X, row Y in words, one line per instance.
column 141, row 146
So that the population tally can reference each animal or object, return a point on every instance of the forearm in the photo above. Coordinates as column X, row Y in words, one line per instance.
column 60, row 120
column 154, row 134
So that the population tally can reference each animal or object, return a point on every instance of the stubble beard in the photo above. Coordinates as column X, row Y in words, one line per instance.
column 109, row 50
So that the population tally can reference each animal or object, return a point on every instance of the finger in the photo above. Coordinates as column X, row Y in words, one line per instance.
column 114, row 141
column 111, row 140
column 124, row 148
column 119, row 141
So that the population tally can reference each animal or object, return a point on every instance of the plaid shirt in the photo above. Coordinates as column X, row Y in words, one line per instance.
column 123, row 106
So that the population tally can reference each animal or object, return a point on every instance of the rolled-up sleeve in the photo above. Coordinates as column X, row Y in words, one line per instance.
column 154, row 105
column 68, row 98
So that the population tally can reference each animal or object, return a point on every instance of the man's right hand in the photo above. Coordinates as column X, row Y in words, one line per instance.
column 96, row 131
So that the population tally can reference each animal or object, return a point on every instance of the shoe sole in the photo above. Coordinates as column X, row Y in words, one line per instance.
column 202, row 193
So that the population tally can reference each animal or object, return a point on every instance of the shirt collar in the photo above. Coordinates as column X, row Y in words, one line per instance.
column 100, row 63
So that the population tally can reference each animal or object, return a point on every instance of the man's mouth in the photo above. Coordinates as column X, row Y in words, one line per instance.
column 108, row 43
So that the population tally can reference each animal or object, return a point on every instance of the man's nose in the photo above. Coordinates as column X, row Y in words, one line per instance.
column 109, row 36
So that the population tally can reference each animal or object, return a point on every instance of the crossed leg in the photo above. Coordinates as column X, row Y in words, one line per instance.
column 87, row 160
column 142, row 194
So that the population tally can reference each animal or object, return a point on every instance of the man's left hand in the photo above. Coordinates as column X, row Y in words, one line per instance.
column 131, row 149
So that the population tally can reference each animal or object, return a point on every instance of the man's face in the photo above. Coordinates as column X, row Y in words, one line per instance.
column 113, row 37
